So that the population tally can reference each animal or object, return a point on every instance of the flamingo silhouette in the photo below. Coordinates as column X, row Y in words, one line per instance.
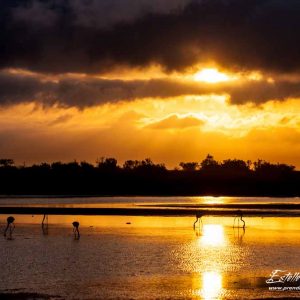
column 199, row 216
column 76, row 230
column 239, row 217
column 11, row 226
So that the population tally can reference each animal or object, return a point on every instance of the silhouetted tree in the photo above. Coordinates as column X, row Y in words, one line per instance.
column 56, row 166
column 235, row 165
column 144, row 177
column 107, row 164
column 6, row 162
column 209, row 163
column 189, row 166
column 263, row 166
column 44, row 166
column 142, row 165
column 131, row 164
column 72, row 166
column 148, row 165
column 86, row 166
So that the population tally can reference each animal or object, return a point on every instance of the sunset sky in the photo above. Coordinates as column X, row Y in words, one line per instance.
column 172, row 80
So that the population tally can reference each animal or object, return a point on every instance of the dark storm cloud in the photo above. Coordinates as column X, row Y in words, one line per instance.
column 92, row 36
column 263, row 91
column 81, row 93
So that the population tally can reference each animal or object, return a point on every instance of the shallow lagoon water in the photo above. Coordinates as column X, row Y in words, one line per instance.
column 150, row 258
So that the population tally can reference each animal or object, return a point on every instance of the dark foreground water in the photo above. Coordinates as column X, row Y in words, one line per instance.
column 150, row 258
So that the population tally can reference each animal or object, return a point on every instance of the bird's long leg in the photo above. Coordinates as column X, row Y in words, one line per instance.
column 243, row 221
column 195, row 222
column 201, row 222
column 76, row 233
column 5, row 230
column 11, row 229
column 43, row 225
column 45, row 218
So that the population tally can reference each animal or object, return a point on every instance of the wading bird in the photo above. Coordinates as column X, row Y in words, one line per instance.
column 239, row 217
column 198, row 218
column 76, row 230
column 11, row 226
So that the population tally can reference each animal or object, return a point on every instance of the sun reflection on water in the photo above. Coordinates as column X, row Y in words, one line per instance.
column 210, row 200
column 211, row 285
column 212, row 235
column 208, row 285
column 213, row 200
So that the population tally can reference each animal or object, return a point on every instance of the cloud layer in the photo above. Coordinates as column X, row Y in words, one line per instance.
column 175, row 122
column 93, row 36
column 70, row 91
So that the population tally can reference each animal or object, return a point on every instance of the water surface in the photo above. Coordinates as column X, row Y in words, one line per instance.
column 133, row 201
column 147, row 257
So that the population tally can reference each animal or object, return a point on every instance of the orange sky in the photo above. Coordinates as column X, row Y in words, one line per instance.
column 171, row 80
column 169, row 129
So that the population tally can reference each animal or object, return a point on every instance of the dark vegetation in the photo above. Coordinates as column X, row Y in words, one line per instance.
column 209, row 177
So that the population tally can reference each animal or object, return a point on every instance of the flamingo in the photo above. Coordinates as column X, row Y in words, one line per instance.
column 240, row 215
column 76, row 230
column 198, row 218
column 10, row 225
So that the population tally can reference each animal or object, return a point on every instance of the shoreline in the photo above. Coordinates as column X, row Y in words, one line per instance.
column 63, row 196
column 208, row 210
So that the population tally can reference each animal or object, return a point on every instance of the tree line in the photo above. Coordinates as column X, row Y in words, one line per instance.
column 144, row 177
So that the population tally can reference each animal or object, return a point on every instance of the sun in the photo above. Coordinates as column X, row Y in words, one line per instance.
column 210, row 75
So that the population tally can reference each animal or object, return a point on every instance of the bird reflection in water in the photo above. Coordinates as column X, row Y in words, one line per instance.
column 198, row 220
column 239, row 217
column 198, row 225
column 238, row 235
column 198, row 231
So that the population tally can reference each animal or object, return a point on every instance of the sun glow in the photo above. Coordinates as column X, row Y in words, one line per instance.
column 210, row 76
column 213, row 235
column 211, row 285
